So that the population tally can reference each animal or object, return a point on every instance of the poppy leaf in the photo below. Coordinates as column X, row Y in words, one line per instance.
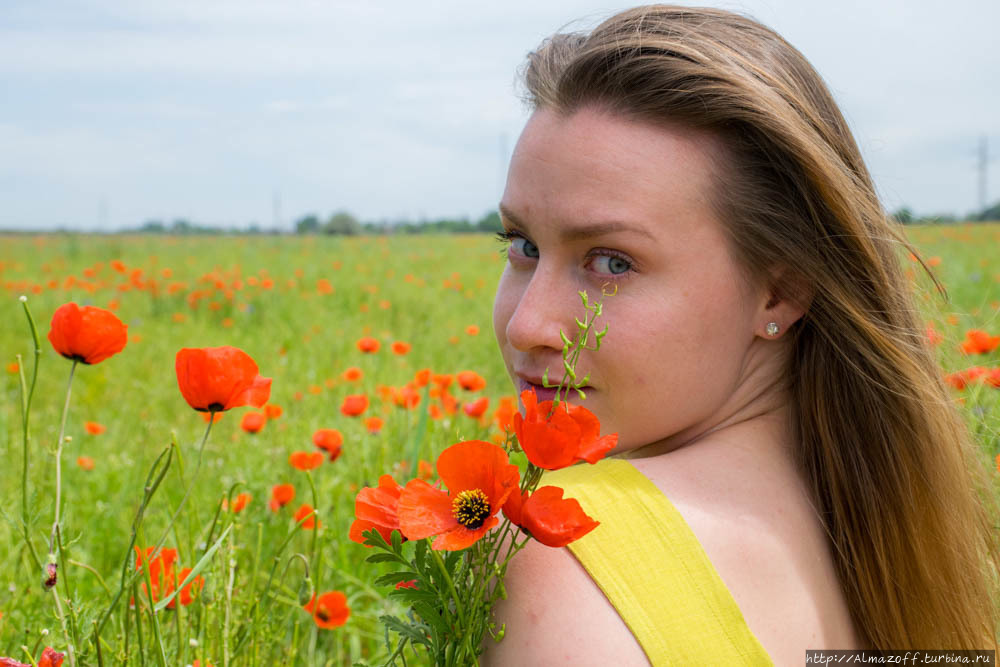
column 397, row 542
column 393, row 578
column 432, row 617
column 373, row 538
column 420, row 555
column 404, row 629
column 415, row 595
column 195, row 571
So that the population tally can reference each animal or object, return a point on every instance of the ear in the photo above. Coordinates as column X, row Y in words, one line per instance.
column 785, row 301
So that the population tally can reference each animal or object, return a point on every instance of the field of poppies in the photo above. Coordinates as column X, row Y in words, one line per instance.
column 233, row 499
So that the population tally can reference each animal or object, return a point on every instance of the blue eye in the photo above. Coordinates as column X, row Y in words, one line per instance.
column 611, row 264
column 524, row 247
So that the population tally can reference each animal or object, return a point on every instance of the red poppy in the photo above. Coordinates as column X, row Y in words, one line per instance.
column 352, row 374
column 305, row 460
column 979, row 342
column 571, row 434
column 89, row 334
column 412, row 583
column 479, row 479
column 443, row 381
column 400, row 348
column 329, row 610
column 472, row 330
column 281, row 495
column 213, row 379
column 470, row 381
column 193, row 588
column 421, row 378
column 272, row 411
column 993, row 378
column 162, row 576
column 306, row 510
column 549, row 518
column 354, row 405
column 239, row 503
column 377, row 508
column 504, row 414
column 933, row 337
column 961, row 379
column 477, row 408
column 329, row 440
column 253, row 422
column 13, row 368
column 368, row 345
column 425, row 470
column 94, row 428
column 49, row 658
column 85, row 462
column 374, row 424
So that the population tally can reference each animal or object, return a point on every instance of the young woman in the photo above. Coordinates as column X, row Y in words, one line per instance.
column 790, row 472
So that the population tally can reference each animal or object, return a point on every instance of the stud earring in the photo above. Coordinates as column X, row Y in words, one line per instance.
column 772, row 328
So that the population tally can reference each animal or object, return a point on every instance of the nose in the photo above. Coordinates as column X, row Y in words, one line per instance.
column 543, row 307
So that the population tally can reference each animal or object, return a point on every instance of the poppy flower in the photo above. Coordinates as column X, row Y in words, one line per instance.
column 470, row 381
column 368, row 345
column 161, row 572
column 979, row 342
column 89, row 334
column 329, row 440
column 213, row 379
column 571, row 434
column 194, row 587
column 504, row 414
column 479, row 478
column 400, row 348
column 239, row 503
column 94, row 428
column 253, row 422
column 329, row 610
column 306, row 510
column 425, row 470
column 13, row 368
column 272, row 411
column 49, row 658
column 421, row 378
column 377, row 508
column 281, row 495
column 993, row 378
column 933, row 337
column 477, row 408
column 305, row 460
column 211, row 416
column 442, row 381
column 352, row 374
column 472, row 330
column 354, row 405
column 551, row 519
column 412, row 583
column 85, row 462
column 374, row 424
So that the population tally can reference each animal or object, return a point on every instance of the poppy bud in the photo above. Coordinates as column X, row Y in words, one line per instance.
column 306, row 591
column 51, row 574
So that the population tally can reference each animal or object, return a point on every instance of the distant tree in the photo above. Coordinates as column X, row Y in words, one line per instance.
column 153, row 227
column 489, row 223
column 904, row 216
column 990, row 213
column 343, row 223
column 308, row 224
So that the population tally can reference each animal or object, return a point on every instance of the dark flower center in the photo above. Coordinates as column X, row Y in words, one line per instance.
column 471, row 508
column 322, row 613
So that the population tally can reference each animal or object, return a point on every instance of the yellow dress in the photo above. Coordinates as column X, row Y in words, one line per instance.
column 654, row 571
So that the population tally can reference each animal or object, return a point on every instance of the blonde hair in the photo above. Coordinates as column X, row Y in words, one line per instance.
column 903, row 493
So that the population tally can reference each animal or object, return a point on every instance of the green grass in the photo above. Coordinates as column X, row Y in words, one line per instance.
column 425, row 290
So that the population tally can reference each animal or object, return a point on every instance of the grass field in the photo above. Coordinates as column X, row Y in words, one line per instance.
column 298, row 306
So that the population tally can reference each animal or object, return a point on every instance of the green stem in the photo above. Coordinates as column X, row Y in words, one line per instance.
column 27, row 393
column 459, row 606
column 59, row 447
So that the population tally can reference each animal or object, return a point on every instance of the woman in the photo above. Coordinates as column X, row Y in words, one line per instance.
column 791, row 473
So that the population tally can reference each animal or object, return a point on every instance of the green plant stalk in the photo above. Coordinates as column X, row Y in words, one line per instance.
column 59, row 448
column 147, row 561
column 27, row 393
column 153, row 481
column 315, row 530
column 459, row 606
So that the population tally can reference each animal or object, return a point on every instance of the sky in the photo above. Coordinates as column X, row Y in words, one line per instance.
column 239, row 112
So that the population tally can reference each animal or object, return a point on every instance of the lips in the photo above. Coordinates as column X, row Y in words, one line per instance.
column 526, row 383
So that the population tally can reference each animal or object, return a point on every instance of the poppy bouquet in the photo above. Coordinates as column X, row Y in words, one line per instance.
column 448, row 544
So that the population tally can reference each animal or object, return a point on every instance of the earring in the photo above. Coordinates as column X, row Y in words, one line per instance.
column 772, row 328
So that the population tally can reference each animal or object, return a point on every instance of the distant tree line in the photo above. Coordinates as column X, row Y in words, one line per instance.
column 343, row 223
column 906, row 216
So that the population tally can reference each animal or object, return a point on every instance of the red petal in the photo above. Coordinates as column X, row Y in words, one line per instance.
column 475, row 464
column 595, row 451
column 554, row 521
column 424, row 511
column 461, row 537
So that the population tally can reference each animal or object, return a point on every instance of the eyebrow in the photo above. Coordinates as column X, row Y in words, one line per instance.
column 584, row 231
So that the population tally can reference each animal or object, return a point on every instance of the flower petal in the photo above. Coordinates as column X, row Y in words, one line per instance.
column 424, row 510
column 461, row 537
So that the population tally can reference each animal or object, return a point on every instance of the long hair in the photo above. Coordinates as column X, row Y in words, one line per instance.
column 903, row 492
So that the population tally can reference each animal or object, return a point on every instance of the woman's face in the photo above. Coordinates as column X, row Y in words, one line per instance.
column 592, row 201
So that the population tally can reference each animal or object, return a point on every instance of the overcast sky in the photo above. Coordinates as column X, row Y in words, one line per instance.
column 238, row 111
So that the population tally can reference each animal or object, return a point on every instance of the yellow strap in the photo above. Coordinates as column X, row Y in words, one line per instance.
column 654, row 571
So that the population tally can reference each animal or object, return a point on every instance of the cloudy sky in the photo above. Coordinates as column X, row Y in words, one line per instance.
column 114, row 112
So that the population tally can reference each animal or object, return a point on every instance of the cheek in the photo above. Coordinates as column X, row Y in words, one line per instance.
column 503, row 307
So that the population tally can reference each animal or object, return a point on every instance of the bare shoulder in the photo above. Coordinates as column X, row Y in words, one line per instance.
column 755, row 521
column 554, row 614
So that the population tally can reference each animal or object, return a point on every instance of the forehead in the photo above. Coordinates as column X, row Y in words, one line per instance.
column 592, row 166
